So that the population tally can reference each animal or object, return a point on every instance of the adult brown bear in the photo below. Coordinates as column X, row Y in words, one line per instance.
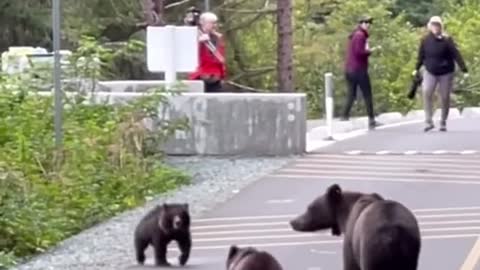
column 379, row 234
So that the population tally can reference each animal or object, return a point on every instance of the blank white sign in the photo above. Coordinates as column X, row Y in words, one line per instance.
column 172, row 48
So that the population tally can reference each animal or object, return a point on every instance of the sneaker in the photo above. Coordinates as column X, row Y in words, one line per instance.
column 344, row 118
column 443, row 126
column 373, row 124
column 429, row 127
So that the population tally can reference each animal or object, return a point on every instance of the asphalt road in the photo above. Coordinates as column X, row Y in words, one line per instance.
column 443, row 190
column 463, row 135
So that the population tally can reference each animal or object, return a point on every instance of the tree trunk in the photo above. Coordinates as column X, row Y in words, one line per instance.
column 285, row 46
column 153, row 11
column 159, row 9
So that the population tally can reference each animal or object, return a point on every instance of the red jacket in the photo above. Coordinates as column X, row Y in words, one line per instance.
column 208, row 64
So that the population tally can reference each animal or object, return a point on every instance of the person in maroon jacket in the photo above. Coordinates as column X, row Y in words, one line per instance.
column 356, row 70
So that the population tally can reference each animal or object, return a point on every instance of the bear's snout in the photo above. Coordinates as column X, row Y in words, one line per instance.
column 295, row 224
column 177, row 222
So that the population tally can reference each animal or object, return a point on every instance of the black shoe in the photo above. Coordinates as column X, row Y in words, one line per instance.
column 373, row 124
column 443, row 126
column 428, row 127
column 344, row 118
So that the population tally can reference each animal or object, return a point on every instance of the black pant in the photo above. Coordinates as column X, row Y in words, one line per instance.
column 212, row 84
column 359, row 79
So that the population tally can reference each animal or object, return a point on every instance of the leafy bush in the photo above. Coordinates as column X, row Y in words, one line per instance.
column 463, row 23
column 47, row 195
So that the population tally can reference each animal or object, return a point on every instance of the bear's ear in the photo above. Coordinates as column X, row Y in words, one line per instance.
column 233, row 250
column 334, row 193
column 377, row 196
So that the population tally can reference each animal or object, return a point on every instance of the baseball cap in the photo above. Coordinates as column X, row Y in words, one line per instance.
column 366, row 19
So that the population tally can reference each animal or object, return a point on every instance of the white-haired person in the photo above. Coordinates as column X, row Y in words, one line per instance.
column 438, row 54
column 211, row 67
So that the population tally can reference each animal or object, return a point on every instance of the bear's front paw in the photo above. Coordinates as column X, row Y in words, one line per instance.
column 162, row 263
column 182, row 259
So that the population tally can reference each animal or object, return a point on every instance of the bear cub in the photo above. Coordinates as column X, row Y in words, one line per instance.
column 249, row 258
column 159, row 227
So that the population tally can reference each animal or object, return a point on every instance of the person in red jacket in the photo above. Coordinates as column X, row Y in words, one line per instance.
column 211, row 66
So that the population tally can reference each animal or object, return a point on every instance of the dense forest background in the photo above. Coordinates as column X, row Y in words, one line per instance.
column 320, row 31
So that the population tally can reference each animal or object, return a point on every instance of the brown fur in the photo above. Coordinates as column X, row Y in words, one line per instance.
column 249, row 258
column 378, row 233
column 159, row 227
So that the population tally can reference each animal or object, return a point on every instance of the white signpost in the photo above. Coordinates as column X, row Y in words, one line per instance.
column 172, row 49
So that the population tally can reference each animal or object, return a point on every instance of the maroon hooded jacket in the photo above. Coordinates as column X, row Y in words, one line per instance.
column 357, row 53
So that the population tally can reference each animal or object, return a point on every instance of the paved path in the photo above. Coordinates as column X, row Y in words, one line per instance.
column 443, row 190
column 462, row 137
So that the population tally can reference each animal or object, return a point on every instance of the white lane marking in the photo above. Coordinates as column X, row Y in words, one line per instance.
column 386, row 164
column 289, row 232
column 280, row 201
column 321, row 168
column 448, row 159
column 410, row 152
column 316, row 251
column 359, row 174
column 288, row 216
column 286, row 228
column 306, row 243
column 292, row 234
column 241, row 225
column 468, row 152
column 371, row 178
column 450, row 222
column 285, row 223
column 473, row 257
column 353, row 152
column 461, row 208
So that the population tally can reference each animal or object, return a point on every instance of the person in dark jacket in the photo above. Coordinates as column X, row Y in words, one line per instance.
column 356, row 70
column 438, row 54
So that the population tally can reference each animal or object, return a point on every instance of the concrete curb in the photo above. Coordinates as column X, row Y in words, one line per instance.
column 471, row 112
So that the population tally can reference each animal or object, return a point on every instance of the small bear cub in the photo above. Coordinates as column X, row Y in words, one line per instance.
column 159, row 227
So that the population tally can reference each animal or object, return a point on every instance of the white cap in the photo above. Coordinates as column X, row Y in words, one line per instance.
column 435, row 19
column 208, row 17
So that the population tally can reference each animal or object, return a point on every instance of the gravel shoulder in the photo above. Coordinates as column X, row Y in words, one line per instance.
column 108, row 246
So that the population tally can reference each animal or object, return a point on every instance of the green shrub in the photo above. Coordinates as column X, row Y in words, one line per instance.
column 47, row 195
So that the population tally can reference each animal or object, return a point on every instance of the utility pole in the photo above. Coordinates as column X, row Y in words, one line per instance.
column 57, row 74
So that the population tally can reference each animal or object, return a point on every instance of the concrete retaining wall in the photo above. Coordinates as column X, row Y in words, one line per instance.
column 247, row 124
column 75, row 85
column 142, row 86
